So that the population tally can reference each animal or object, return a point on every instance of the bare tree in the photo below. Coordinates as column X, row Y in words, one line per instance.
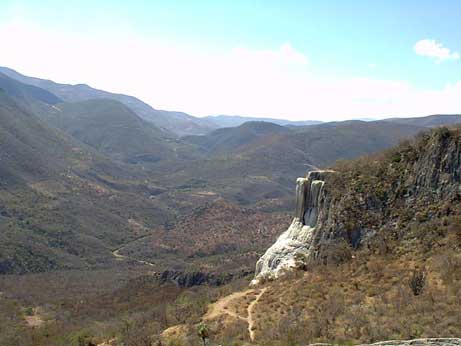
column 417, row 281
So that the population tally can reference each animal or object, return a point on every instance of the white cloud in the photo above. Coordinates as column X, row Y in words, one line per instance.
column 434, row 49
column 276, row 82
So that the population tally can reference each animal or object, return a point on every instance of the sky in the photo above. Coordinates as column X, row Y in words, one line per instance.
column 298, row 60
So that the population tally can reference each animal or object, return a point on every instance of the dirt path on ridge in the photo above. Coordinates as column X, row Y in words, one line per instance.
column 223, row 307
column 251, row 320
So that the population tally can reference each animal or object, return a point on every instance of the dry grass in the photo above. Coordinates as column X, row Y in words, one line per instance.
column 365, row 300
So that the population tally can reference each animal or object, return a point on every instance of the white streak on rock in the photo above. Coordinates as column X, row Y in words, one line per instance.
column 296, row 241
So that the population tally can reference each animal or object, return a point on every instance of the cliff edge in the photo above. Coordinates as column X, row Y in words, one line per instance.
column 297, row 241
column 403, row 194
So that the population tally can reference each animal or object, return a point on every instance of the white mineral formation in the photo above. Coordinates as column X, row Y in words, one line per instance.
column 295, row 242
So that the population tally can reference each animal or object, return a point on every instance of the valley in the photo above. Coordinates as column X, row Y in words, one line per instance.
column 120, row 223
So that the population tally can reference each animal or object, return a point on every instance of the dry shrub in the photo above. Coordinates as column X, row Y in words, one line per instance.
column 449, row 265
column 417, row 281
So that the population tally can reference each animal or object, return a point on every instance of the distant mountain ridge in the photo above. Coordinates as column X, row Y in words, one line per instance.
column 179, row 123
column 174, row 122
column 429, row 121
column 15, row 88
column 258, row 161
column 237, row 120
column 107, row 125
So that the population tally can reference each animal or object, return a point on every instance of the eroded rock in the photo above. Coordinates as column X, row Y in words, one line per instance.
column 414, row 342
column 296, row 241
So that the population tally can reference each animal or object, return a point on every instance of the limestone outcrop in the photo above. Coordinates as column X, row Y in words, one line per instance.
column 296, row 242
column 414, row 187
column 414, row 342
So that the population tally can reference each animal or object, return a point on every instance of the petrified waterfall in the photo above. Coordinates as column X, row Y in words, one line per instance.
column 294, row 243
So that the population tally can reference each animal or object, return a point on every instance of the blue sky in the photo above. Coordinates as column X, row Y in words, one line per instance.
column 290, row 59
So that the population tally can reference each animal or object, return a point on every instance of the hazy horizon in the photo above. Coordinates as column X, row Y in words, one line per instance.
column 310, row 61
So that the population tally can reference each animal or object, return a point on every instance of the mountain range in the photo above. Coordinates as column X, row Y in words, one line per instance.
column 236, row 120
column 69, row 150
column 114, row 216
column 175, row 122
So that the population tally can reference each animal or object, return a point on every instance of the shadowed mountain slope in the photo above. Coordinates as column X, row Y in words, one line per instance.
column 28, row 147
column 259, row 161
column 227, row 140
column 26, row 92
column 323, row 144
column 329, row 142
column 106, row 125
column 112, row 129
column 175, row 122
column 63, row 204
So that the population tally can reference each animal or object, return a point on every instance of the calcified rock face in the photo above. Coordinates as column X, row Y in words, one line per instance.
column 416, row 184
column 295, row 243
column 414, row 342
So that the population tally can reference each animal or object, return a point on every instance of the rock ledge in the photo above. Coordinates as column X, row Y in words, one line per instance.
column 414, row 342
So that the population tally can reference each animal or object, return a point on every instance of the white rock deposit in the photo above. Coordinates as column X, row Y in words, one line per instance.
column 295, row 242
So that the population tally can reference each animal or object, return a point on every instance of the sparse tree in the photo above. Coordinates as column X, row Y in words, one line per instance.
column 203, row 332
column 417, row 281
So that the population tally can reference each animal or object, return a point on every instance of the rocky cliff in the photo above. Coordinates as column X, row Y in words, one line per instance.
column 414, row 342
column 400, row 195
column 298, row 239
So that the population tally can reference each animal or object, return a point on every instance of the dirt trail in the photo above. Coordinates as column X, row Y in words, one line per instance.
column 110, row 342
column 222, row 307
column 116, row 253
column 34, row 320
column 251, row 320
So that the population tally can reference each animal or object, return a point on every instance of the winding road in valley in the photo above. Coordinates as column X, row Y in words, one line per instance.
column 116, row 253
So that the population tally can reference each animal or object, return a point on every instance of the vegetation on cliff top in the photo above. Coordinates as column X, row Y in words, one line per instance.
column 401, row 281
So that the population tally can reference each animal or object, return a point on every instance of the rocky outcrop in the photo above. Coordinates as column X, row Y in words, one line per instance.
column 414, row 187
column 297, row 241
column 190, row 279
column 414, row 342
